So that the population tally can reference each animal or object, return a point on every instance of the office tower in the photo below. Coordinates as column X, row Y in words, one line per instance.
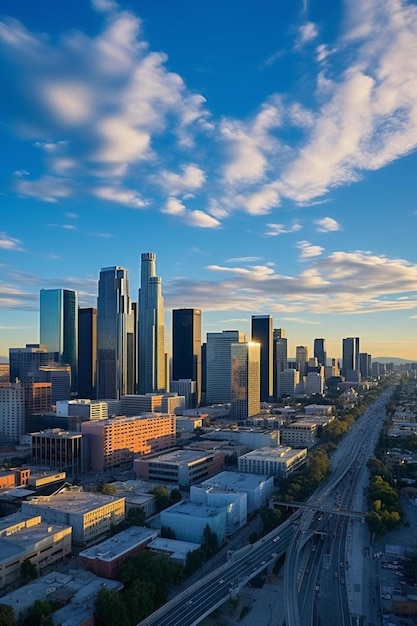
column 116, row 356
column 314, row 383
column 38, row 397
column 59, row 450
column 280, row 352
column 87, row 353
column 320, row 351
column 25, row 362
column 187, row 388
column 186, row 347
column 59, row 327
column 203, row 372
column 288, row 381
column 245, row 379
column 301, row 357
column 218, row 368
column 350, row 354
column 262, row 332
column 60, row 378
column 365, row 364
column 151, row 330
column 12, row 412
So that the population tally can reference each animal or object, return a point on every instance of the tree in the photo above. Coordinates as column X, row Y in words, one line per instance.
column 167, row 532
column 108, row 489
column 139, row 600
column 161, row 498
column 271, row 518
column 175, row 496
column 109, row 609
column 194, row 560
column 28, row 571
column 210, row 543
column 6, row 615
column 39, row 614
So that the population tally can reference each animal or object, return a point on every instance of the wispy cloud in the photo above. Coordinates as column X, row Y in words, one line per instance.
column 308, row 250
column 327, row 225
column 280, row 229
column 9, row 243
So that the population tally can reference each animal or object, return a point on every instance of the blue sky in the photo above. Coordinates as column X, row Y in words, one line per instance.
column 265, row 151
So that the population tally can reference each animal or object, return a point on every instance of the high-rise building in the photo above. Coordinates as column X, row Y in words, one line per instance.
column 350, row 354
column 59, row 327
column 60, row 378
column 151, row 329
column 280, row 352
column 218, row 365
column 116, row 354
column 186, row 347
column 365, row 364
column 262, row 332
column 288, row 381
column 25, row 362
column 245, row 379
column 12, row 412
column 320, row 351
column 87, row 353
column 301, row 357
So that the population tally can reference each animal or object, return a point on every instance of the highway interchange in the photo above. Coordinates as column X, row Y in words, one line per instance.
column 315, row 540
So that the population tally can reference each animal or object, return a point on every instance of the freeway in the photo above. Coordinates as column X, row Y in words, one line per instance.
column 293, row 537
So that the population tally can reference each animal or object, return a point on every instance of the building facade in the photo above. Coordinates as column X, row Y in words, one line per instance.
column 320, row 351
column 263, row 333
column 186, row 348
column 277, row 462
column 218, row 365
column 280, row 356
column 113, row 443
column 116, row 335
column 245, row 379
column 87, row 353
column 12, row 412
column 58, row 317
column 25, row 362
column 350, row 354
column 151, row 329
column 58, row 449
column 179, row 467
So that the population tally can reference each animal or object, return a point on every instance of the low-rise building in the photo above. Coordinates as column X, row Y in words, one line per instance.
column 188, row 424
column 76, row 590
column 84, row 408
column 90, row 514
column 58, row 449
column 188, row 520
column 236, row 504
column 250, row 437
column 277, row 462
column 7, row 479
column 28, row 537
column 259, row 488
column 180, row 467
column 300, row 434
column 176, row 550
column 136, row 495
column 105, row 558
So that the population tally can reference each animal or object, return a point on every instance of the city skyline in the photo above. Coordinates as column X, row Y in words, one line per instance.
column 266, row 158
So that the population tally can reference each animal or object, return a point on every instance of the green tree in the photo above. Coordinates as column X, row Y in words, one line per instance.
column 167, row 532
column 39, row 614
column 210, row 543
column 161, row 497
column 28, row 571
column 175, row 496
column 194, row 560
column 139, row 600
column 6, row 615
column 271, row 518
column 108, row 489
column 110, row 609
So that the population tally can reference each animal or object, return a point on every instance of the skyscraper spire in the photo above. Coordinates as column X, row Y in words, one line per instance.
column 151, row 330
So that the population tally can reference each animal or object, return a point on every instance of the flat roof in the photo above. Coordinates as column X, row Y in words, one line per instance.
column 120, row 544
column 194, row 509
column 176, row 457
column 280, row 453
column 176, row 549
column 73, row 501
column 236, row 480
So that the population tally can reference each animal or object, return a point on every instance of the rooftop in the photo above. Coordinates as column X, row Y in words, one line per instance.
column 236, row 480
column 120, row 544
column 280, row 453
column 177, row 550
column 73, row 501
column 195, row 509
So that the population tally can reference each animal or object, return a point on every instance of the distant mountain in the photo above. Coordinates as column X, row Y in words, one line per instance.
column 392, row 359
column 4, row 359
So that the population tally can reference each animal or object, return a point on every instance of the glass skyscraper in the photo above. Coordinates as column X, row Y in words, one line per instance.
column 245, row 379
column 186, row 346
column 116, row 354
column 59, row 327
column 262, row 332
column 87, row 353
column 151, row 329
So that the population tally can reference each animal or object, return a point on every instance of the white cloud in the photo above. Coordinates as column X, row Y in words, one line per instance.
column 307, row 32
column 127, row 197
column 326, row 225
column 9, row 243
column 47, row 188
column 308, row 250
column 103, row 6
column 202, row 220
column 174, row 207
column 191, row 178
column 281, row 229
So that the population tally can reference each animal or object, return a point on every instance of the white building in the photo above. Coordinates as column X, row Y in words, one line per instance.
column 236, row 504
column 277, row 462
column 176, row 550
column 188, row 519
column 257, row 488
column 89, row 409
column 12, row 412
column 300, row 434
column 250, row 437
column 188, row 424
column 288, row 381
column 91, row 515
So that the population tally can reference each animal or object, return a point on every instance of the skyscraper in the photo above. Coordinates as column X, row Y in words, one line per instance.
column 59, row 327
column 245, row 379
column 151, row 329
column 186, row 346
column 262, row 332
column 25, row 362
column 115, row 333
column 280, row 352
column 218, row 365
column 301, row 357
column 320, row 351
column 87, row 353
column 350, row 354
